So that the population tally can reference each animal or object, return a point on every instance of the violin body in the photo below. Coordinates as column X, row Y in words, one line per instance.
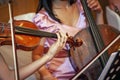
column 24, row 42
column 86, row 52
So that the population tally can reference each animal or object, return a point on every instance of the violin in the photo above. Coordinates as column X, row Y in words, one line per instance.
column 27, row 35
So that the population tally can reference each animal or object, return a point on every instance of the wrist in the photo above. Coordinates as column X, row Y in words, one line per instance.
column 99, row 18
column 48, row 56
column 100, row 13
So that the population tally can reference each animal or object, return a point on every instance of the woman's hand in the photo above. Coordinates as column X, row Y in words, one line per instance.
column 95, row 6
column 58, row 45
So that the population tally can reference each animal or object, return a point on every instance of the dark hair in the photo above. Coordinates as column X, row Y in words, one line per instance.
column 47, row 5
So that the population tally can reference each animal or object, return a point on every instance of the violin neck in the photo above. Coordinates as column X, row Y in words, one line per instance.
column 31, row 32
column 26, row 31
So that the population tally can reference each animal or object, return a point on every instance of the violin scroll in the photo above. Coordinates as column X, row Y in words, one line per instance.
column 74, row 43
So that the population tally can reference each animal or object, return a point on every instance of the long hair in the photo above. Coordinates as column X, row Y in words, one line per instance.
column 47, row 5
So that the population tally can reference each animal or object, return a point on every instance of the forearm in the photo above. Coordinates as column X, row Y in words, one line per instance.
column 31, row 68
column 99, row 18
column 44, row 72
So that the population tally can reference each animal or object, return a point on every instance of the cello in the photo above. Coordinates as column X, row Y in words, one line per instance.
column 95, row 39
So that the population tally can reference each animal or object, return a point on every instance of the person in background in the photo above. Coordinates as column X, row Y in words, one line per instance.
column 24, row 72
column 114, row 5
column 67, row 16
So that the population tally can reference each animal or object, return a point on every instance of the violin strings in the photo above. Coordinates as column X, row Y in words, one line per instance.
column 21, row 30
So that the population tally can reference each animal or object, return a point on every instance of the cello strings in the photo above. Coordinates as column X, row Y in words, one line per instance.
column 98, row 42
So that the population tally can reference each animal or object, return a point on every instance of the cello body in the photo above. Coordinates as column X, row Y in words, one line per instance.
column 86, row 52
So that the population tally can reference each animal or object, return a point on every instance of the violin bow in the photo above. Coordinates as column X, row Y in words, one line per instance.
column 16, row 71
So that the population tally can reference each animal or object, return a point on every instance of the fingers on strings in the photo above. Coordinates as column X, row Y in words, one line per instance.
column 93, row 4
column 61, row 38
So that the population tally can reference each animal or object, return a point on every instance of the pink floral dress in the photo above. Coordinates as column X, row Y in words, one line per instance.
column 64, row 69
